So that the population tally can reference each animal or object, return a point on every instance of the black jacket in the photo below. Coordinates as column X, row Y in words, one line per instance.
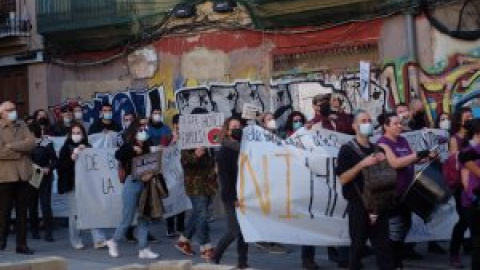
column 227, row 161
column 44, row 156
column 98, row 126
column 66, row 166
column 125, row 154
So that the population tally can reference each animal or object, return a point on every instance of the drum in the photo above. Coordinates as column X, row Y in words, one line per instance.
column 426, row 192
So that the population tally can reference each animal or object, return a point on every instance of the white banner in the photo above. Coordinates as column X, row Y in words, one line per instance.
column 177, row 200
column 290, row 186
column 200, row 130
column 98, row 191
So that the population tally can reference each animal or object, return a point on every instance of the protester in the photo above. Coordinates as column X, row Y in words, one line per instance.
column 78, row 116
column 469, row 158
column 403, row 113
column 62, row 126
column 201, row 187
column 267, row 121
column 227, row 160
column 44, row 156
column 295, row 121
column 105, row 123
column 343, row 121
column 322, row 111
column 137, row 143
column 15, row 172
column 127, row 119
column 457, row 140
column 402, row 158
column 41, row 117
column 362, row 224
column 157, row 130
column 76, row 141
column 418, row 115
column 443, row 122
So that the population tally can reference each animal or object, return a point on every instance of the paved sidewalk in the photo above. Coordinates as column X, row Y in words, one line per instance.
column 99, row 260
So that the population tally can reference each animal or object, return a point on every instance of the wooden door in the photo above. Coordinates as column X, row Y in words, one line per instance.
column 14, row 87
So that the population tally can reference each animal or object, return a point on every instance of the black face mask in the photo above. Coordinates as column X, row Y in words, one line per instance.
column 325, row 109
column 236, row 134
column 43, row 121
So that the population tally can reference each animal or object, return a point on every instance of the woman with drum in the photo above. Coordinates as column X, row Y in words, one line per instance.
column 402, row 158
column 469, row 158
column 457, row 140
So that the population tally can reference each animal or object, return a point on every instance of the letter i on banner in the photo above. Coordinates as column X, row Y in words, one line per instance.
column 365, row 80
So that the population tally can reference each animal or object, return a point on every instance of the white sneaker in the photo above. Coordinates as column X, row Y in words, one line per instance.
column 146, row 253
column 112, row 248
column 79, row 246
column 99, row 245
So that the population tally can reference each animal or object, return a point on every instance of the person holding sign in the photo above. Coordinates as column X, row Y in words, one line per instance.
column 76, row 141
column 227, row 162
column 362, row 225
column 137, row 143
column 16, row 142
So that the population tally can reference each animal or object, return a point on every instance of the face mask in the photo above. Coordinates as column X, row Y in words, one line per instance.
column 76, row 138
column 67, row 121
column 325, row 109
column 107, row 115
column 157, row 118
column 366, row 129
column 297, row 125
column 12, row 116
column 142, row 136
column 445, row 124
column 236, row 134
column 78, row 115
column 271, row 125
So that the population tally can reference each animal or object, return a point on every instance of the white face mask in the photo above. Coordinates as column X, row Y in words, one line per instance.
column 271, row 125
column 76, row 138
column 12, row 116
column 142, row 136
column 445, row 124
column 366, row 129
column 157, row 118
column 78, row 115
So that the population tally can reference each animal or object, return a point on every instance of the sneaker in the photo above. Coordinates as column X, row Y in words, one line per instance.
column 146, row 253
column 277, row 249
column 185, row 248
column 456, row 263
column 112, row 248
column 78, row 246
column 207, row 254
column 99, row 245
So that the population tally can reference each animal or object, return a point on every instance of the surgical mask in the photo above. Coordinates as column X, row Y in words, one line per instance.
column 12, row 116
column 445, row 124
column 107, row 115
column 76, row 138
column 142, row 136
column 297, row 125
column 78, row 115
column 157, row 118
column 236, row 134
column 366, row 129
column 271, row 125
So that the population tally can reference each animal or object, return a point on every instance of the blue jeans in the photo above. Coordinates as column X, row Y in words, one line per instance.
column 198, row 220
column 130, row 196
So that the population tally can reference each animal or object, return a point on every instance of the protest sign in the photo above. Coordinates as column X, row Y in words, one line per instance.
column 149, row 163
column 250, row 111
column 290, row 185
column 98, row 191
column 200, row 130
column 177, row 200
column 365, row 80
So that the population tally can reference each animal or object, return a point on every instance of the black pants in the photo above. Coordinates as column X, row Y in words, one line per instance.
column 176, row 223
column 233, row 233
column 400, row 223
column 44, row 194
column 308, row 254
column 361, row 229
column 473, row 216
column 16, row 193
column 461, row 226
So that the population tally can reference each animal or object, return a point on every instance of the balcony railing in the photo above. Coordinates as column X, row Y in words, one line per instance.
column 14, row 27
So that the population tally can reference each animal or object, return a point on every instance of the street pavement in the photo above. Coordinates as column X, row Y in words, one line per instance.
column 91, row 259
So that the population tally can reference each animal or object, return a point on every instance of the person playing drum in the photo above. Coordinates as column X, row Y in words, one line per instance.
column 401, row 157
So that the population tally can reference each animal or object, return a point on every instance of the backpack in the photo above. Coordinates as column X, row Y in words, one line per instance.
column 379, row 184
column 451, row 171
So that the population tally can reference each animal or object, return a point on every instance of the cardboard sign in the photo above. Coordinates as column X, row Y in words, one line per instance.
column 250, row 111
column 149, row 163
column 200, row 130
column 37, row 176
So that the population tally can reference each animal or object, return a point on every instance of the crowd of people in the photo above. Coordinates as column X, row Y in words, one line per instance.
column 211, row 171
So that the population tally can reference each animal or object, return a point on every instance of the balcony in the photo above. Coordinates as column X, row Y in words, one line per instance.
column 13, row 27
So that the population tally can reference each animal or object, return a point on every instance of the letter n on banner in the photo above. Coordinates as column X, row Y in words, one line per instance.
column 263, row 198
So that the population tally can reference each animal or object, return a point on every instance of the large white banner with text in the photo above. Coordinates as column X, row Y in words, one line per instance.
column 288, row 191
